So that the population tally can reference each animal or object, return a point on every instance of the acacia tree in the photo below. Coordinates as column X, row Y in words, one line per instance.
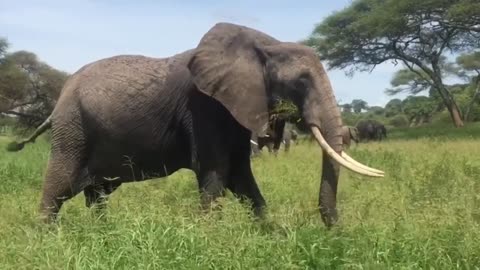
column 469, row 65
column 347, row 107
column 393, row 107
column 29, row 88
column 419, row 109
column 415, row 33
column 358, row 105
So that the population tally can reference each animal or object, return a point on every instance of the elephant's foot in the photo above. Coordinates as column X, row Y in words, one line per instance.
column 259, row 211
column 211, row 188
column 210, row 204
column 329, row 216
column 48, row 215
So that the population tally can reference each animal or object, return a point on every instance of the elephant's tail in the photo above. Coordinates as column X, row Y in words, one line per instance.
column 17, row 146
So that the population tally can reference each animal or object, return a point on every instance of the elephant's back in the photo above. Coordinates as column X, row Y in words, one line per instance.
column 124, row 92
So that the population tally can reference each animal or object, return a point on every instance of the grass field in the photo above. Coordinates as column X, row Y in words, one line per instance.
column 424, row 214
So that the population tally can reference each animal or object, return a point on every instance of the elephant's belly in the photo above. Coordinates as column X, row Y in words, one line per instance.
column 136, row 165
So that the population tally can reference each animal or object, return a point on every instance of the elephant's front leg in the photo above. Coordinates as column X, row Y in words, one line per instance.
column 242, row 182
column 212, row 185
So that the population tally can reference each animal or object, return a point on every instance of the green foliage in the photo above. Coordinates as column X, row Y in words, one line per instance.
column 405, row 80
column 419, row 34
column 393, row 107
column 370, row 32
column 286, row 109
column 376, row 110
column 3, row 48
column 347, row 108
column 29, row 88
column 358, row 105
column 469, row 62
column 423, row 215
column 351, row 119
column 399, row 121
column 440, row 129
column 418, row 109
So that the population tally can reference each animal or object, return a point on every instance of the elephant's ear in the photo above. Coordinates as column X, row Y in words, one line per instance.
column 228, row 65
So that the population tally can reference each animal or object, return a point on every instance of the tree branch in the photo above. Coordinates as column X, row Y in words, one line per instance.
column 24, row 115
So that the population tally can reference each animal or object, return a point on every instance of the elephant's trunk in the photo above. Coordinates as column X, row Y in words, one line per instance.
column 323, row 116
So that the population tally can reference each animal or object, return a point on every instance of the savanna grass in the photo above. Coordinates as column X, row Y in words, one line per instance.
column 424, row 214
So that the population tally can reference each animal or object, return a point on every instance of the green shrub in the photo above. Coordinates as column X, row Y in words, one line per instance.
column 399, row 120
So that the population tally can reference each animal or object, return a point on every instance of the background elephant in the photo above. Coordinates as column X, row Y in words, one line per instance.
column 132, row 118
column 273, row 137
column 289, row 137
column 349, row 134
column 382, row 132
column 371, row 130
column 279, row 132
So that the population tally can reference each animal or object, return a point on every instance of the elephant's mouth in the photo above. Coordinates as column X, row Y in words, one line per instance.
column 343, row 159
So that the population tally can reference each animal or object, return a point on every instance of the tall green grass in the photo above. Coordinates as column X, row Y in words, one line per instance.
column 424, row 214
column 444, row 131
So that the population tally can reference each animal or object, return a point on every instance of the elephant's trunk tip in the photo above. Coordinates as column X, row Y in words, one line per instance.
column 15, row 146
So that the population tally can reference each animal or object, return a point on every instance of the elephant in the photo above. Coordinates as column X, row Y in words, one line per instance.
column 289, row 137
column 371, row 130
column 279, row 132
column 257, row 143
column 132, row 118
column 273, row 137
column 381, row 132
column 349, row 134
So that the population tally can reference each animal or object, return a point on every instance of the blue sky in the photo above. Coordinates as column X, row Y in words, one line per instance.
column 69, row 34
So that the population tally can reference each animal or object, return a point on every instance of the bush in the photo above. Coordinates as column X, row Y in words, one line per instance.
column 442, row 118
column 399, row 120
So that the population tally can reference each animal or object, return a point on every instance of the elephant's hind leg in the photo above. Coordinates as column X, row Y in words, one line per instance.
column 66, row 173
column 64, row 179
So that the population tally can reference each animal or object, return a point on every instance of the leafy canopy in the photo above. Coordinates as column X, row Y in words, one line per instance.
column 370, row 32
column 29, row 88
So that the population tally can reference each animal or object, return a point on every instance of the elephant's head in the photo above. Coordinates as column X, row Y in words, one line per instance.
column 246, row 70
column 353, row 134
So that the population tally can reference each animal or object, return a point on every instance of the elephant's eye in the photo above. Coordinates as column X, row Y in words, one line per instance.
column 303, row 81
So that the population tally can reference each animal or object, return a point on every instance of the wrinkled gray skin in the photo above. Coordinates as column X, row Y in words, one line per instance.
column 133, row 118
column 371, row 130
column 349, row 134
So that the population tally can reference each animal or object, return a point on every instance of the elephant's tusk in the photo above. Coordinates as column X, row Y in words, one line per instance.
column 328, row 149
column 253, row 142
column 353, row 161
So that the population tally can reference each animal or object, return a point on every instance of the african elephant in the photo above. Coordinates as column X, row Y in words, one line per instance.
column 289, row 137
column 272, row 143
column 381, row 132
column 273, row 137
column 132, row 118
column 371, row 130
column 349, row 134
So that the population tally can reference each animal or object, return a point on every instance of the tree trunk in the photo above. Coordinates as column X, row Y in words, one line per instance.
column 420, row 121
column 472, row 102
column 450, row 104
column 446, row 95
column 455, row 114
